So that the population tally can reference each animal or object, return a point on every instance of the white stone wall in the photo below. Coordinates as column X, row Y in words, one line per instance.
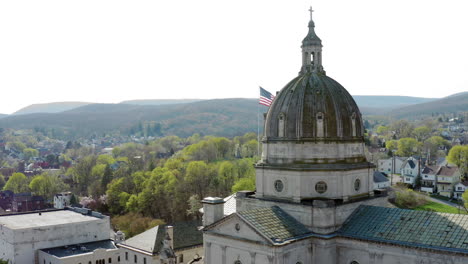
column 127, row 256
column 300, row 184
column 86, row 258
column 22, row 244
column 309, row 152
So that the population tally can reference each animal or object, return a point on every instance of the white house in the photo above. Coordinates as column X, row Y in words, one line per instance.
column 460, row 188
column 61, row 200
column 380, row 181
column 428, row 178
column 447, row 177
column 410, row 170
column 386, row 165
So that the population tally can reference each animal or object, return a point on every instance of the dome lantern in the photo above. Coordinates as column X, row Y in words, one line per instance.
column 311, row 50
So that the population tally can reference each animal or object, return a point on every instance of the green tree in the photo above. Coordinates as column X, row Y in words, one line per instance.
column 30, row 153
column 422, row 133
column 433, row 143
column 106, row 177
column 17, row 183
column 244, row 184
column 458, row 155
column 391, row 145
column 407, row 147
column 382, row 130
column 2, row 181
column 47, row 185
column 197, row 175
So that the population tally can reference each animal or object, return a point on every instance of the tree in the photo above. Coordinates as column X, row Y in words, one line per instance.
column 244, row 184
column 391, row 145
column 17, row 183
column 107, row 177
column 30, row 153
column 407, row 147
column 402, row 128
column 194, row 206
column 433, row 143
column 197, row 175
column 458, row 155
column 2, row 181
column 47, row 185
column 422, row 133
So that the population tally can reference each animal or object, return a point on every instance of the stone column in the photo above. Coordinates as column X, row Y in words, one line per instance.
column 208, row 252
column 223, row 254
column 252, row 257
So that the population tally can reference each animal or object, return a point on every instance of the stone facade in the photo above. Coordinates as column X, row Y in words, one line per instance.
column 315, row 200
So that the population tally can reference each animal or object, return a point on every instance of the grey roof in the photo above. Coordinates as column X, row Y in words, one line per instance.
column 379, row 177
column 45, row 218
column 186, row 234
column 275, row 224
column 433, row 230
column 299, row 104
column 72, row 250
column 430, row 170
column 411, row 163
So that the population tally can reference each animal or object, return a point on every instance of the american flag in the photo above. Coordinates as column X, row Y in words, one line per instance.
column 266, row 98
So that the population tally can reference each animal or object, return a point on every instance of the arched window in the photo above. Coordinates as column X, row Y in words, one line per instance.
column 281, row 125
column 237, row 262
column 320, row 116
column 354, row 262
column 353, row 124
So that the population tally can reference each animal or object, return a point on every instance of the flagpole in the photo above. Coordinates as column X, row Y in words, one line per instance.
column 258, row 129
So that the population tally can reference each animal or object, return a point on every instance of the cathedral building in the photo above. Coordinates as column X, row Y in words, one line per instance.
column 315, row 200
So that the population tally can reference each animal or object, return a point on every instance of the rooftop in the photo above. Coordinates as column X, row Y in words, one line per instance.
column 72, row 250
column 274, row 224
column 423, row 229
column 186, row 234
column 45, row 218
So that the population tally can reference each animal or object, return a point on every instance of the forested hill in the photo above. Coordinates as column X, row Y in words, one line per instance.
column 223, row 117
column 388, row 101
column 49, row 107
column 161, row 101
column 451, row 104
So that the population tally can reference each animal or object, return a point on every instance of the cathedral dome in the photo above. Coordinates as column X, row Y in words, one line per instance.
column 314, row 107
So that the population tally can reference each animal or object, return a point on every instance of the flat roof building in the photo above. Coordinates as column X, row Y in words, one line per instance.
column 23, row 234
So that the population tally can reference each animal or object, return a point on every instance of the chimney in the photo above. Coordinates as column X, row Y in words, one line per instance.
column 170, row 233
column 213, row 210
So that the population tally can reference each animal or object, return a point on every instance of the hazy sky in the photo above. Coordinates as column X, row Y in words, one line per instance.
column 109, row 51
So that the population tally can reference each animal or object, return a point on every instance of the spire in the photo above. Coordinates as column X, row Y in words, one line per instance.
column 311, row 50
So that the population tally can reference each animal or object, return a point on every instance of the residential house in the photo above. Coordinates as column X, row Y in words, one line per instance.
column 25, row 202
column 5, row 199
column 165, row 244
column 447, row 177
column 460, row 188
column 410, row 170
column 386, row 165
column 380, row 181
column 62, row 200
column 428, row 178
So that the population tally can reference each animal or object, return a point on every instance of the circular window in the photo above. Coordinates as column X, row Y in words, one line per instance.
column 321, row 187
column 279, row 185
column 237, row 227
column 357, row 184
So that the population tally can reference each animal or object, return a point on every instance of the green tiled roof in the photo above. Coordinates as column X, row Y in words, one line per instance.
column 424, row 229
column 274, row 224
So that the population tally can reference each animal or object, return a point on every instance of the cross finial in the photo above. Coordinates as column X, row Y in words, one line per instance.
column 311, row 10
